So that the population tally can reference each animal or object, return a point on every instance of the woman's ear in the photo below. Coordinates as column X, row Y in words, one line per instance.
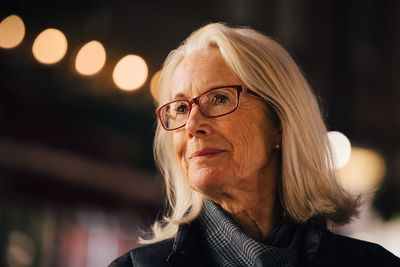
column 278, row 140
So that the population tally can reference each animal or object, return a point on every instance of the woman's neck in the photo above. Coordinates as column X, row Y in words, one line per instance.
column 254, row 206
column 256, row 219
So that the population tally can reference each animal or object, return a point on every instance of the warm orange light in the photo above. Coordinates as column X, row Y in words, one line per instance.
column 12, row 31
column 130, row 73
column 50, row 46
column 91, row 58
column 154, row 84
column 364, row 172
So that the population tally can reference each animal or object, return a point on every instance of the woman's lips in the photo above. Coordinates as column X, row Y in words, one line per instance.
column 207, row 152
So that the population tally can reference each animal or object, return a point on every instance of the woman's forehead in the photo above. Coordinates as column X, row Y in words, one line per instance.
column 200, row 71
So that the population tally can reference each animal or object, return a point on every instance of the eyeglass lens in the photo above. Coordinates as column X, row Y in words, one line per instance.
column 214, row 103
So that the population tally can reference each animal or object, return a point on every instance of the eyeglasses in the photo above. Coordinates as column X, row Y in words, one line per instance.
column 213, row 103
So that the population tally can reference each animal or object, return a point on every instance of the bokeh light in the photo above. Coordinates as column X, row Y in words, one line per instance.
column 90, row 58
column 364, row 172
column 12, row 31
column 341, row 148
column 130, row 73
column 21, row 250
column 50, row 46
column 154, row 84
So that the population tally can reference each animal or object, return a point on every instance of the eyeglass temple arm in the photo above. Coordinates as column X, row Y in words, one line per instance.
column 253, row 93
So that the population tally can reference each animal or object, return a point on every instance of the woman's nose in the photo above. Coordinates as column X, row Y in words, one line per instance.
column 197, row 124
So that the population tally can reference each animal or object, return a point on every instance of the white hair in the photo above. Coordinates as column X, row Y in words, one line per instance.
column 308, row 187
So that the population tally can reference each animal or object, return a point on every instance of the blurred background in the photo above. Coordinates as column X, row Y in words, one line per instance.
column 78, row 184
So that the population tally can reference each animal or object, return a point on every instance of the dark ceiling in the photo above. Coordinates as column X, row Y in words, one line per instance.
column 349, row 51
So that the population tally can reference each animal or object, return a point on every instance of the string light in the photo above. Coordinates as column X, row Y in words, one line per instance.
column 154, row 84
column 12, row 31
column 50, row 46
column 90, row 58
column 130, row 73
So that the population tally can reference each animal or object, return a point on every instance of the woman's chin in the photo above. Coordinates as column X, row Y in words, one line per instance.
column 207, row 182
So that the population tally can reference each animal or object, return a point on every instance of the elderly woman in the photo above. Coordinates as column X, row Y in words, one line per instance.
column 248, row 170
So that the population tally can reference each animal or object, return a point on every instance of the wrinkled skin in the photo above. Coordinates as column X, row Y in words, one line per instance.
column 242, row 169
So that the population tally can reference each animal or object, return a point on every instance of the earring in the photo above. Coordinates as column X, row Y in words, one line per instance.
column 277, row 146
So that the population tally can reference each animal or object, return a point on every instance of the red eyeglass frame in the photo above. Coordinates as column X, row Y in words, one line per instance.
column 195, row 100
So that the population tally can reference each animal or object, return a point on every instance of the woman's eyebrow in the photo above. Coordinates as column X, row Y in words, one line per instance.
column 182, row 95
column 179, row 96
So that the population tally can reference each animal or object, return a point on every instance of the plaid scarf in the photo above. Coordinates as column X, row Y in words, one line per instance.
column 231, row 247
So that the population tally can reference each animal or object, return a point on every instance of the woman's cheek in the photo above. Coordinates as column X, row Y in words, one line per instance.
column 249, row 149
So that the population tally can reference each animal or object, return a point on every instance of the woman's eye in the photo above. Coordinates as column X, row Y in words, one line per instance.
column 182, row 108
column 220, row 99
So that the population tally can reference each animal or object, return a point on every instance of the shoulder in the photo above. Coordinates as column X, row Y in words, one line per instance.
column 338, row 250
column 155, row 254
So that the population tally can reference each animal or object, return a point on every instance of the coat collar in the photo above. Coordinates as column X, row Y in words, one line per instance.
column 188, row 248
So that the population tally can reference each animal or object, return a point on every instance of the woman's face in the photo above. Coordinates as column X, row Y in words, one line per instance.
column 224, row 154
